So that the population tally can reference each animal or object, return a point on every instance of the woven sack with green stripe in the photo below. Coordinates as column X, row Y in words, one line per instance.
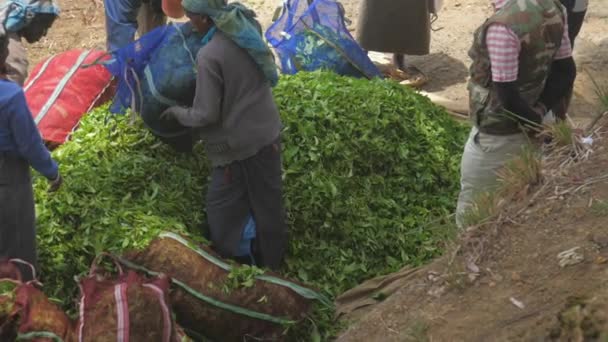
column 204, row 305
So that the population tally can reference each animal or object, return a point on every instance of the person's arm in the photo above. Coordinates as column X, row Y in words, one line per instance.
column 562, row 75
column 16, row 62
column 559, row 82
column 28, row 140
column 504, row 48
column 207, row 105
column 511, row 100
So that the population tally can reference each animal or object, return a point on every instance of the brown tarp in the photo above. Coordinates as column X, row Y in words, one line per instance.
column 355, row 303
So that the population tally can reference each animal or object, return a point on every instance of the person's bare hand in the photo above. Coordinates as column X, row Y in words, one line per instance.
column 55, row 184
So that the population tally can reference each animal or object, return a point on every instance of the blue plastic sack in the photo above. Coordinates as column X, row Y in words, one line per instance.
column 156, row 72
column 312, row 37
column 249, row 233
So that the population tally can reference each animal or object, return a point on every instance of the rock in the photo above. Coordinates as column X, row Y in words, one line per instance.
column 600, row 260
column 515, row 276
column 600, row 240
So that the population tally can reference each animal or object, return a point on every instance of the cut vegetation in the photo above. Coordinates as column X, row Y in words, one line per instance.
column 366, row 166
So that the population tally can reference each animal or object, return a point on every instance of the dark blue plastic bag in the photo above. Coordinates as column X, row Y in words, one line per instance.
column 308, row 37
column 156, row 72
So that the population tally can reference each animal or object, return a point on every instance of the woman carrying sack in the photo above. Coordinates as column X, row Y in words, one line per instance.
column 235, row 114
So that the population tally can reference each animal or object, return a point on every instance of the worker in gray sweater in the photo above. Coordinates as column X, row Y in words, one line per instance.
column 235, row 114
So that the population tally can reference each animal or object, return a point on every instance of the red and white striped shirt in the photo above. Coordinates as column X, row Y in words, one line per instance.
column 504, row 47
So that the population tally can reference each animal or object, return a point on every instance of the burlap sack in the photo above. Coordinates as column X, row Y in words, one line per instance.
column 126, row 307
column 26, row 314
column 202, row 304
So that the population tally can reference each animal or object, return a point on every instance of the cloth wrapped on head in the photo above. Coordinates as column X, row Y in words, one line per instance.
column 239, row 24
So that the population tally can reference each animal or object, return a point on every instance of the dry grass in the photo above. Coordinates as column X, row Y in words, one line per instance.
column 561, row 134
column 485, row 206
column 565, row 145
column 523, row 180
column 599, row 208
column 520, row 173
column 602, row 93
column 417, row 332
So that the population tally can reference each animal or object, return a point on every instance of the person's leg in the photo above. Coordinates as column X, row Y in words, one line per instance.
column 227, row 208
column 576, row 10
column 483, row 156
column 17, row 216
column 150, row 16
column 265, row 190
column 575, row 23
column 415, row 77
column 399, row 61
column 121, row 22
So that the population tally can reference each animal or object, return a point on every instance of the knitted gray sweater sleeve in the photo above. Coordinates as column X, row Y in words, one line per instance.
column 206, row 108
column 233, row 110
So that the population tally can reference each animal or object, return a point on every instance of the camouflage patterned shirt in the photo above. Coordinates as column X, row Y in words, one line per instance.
column 539, row 25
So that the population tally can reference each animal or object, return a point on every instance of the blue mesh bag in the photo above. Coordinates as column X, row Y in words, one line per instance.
column 310, row 36
column 156, row 72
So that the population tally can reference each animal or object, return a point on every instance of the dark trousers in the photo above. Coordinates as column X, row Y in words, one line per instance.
column 249, row 187
column 575, row 19
column 575, row 22
column 17, row 215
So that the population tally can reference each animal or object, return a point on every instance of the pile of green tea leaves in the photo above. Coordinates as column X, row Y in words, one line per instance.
column 121, row 189
column 366, row 165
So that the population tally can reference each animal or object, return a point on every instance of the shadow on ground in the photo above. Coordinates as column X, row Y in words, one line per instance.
column 443, row 70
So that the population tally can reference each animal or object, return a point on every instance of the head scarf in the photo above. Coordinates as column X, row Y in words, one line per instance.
column 17, row 14
column 239, row 23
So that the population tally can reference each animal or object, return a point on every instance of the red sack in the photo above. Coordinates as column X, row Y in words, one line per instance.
column 125, row 308
column 59, row 91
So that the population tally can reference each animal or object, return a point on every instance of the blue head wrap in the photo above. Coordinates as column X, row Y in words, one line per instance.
column 17, row 14
column 238, row 22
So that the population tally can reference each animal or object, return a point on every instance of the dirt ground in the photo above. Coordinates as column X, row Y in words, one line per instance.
column 516, row 259
column 82, row 26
